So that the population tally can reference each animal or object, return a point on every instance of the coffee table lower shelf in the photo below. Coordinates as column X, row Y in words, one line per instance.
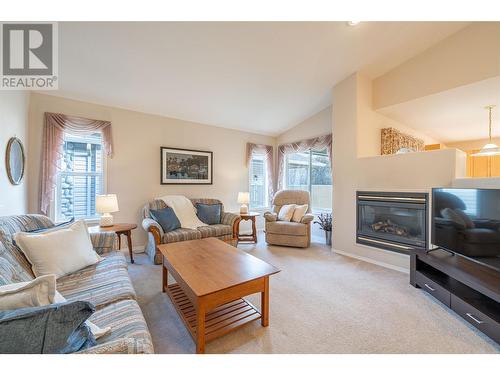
column 219, row 321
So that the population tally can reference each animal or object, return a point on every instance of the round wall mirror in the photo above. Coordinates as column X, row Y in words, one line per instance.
column 14, row 160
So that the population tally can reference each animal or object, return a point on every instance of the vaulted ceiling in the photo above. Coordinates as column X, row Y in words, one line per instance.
column 254, row 76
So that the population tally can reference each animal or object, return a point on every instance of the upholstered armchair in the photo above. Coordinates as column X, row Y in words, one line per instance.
column 287, row 233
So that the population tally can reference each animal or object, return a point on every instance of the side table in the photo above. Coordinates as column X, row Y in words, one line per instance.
column 119, row 229
column 250, row 238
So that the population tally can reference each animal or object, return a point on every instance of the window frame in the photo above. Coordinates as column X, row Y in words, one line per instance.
column 310, row 152
column 266, row 181
column 54, row 214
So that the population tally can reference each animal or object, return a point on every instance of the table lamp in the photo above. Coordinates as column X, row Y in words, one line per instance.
column 244, row 199
column 105, row 204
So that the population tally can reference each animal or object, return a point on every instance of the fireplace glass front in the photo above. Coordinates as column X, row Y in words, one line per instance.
column 395, row 222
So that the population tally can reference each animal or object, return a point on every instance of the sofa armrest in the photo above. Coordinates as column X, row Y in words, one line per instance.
column 270, row 216
column 103, row 242
column 152, row 226
column 120, row 346
column 307, row 218
column 228, row 218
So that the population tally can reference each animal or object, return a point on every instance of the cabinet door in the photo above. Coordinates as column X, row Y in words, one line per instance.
column 478, row 166
column 495, row 166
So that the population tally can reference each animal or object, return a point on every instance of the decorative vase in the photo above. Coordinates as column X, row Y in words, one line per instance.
column 328, row 237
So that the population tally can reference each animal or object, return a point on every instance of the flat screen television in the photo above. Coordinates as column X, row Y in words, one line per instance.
column 467, row 222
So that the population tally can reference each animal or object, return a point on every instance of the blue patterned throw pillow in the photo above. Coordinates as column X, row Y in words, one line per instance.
column 166, row 218
column 209, row 213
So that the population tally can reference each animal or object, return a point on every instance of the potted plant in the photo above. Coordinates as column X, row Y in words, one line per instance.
column 325, row 223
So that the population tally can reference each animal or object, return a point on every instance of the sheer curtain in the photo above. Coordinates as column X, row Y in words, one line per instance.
column 55, row 125
column 267, row 151
column 314, row 144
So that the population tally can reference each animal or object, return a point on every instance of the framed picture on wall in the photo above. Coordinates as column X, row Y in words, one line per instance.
column 187, row 167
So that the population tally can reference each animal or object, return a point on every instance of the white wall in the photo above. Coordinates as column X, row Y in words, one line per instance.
column 410, row 172
column 314, row 126
column 369, row 135
column 134, row 171
column 468, row 56
column 13, row 123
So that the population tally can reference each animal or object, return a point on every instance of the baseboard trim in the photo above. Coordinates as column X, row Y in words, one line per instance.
column 373, row 261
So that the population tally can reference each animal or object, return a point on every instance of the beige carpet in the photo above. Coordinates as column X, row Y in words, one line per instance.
column 321, row 302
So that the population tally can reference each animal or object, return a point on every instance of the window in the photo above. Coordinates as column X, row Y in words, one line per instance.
column 311, row 171
column 80, row 178
column 258, row 182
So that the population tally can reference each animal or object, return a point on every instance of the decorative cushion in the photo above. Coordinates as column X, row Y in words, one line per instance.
column 55, row 227
column 166, row 218
column 209, row 213
column 51, row 329
column 39, row 292
column 299, row 212
column 58, row 252
column 184, row 210
column 286, row 212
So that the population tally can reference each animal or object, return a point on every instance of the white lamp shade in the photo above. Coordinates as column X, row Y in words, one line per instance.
column 243, row 197
column 106, row 203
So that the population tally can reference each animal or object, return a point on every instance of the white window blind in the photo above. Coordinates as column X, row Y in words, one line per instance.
column 81, row 177
column 258, row 182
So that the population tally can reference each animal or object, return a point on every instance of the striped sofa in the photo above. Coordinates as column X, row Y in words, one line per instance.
column 226, row 231
column 106, row 284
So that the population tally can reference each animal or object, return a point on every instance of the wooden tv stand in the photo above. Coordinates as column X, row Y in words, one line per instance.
column 470, row 289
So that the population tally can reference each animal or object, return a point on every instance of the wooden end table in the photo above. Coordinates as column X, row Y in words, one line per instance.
column 250, row 238
column 119, row 229
column 212, row 278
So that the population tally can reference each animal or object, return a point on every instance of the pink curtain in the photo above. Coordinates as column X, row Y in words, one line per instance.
column 314, row 144
column 267, row 151
column 54, row 127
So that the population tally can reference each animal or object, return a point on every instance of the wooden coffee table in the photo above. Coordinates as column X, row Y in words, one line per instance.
column 212, row 279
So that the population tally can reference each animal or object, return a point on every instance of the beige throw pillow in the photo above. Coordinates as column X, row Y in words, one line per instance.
column 299, row 212
column 286, row 212
column 58, row 252
column 38, row 292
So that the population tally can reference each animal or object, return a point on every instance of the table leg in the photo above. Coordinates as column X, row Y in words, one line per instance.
column 164, row 284
column 200, row 329
column 129, row 240
column 119, row 241
column 254, row 230
column 264, row 303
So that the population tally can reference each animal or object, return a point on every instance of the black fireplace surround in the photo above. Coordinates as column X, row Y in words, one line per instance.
column 394, row 221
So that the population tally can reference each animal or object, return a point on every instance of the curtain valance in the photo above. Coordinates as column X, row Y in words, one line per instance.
column 54, row 127
column 314, row 144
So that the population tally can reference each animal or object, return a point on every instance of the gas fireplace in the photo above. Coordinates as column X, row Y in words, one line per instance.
column 392, row 221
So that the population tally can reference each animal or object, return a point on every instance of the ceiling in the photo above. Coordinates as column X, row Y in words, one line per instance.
column 254, row 76
column 453, row 115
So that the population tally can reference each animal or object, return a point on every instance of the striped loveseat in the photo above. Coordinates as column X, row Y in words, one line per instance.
column 225, row 231
column 106, row 285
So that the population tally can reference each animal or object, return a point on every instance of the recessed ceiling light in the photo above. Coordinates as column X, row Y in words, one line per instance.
column 353, row 23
